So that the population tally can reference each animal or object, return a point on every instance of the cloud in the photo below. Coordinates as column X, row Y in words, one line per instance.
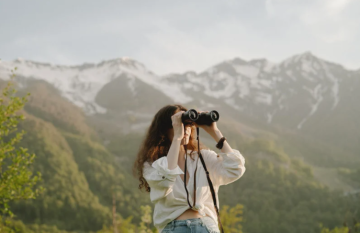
column 179, row 36
column 170, row 49
column 329, row 22
column 173, row 50
column 326, row 20
column 269, row 7
column 334, row 7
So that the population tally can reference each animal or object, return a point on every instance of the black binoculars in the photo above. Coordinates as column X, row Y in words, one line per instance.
column 203, row 118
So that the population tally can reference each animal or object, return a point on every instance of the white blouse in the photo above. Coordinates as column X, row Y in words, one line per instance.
column 168, row 191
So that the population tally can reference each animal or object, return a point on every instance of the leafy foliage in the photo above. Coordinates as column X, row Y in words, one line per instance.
column 16, row 226
column 16, row 179
column 350, row 175
column 68, row 202
column 231, row 218
column 126, row 225
column 335, row 230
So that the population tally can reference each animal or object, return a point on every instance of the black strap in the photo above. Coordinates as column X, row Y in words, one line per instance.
column 209, row 181
column 187, row 192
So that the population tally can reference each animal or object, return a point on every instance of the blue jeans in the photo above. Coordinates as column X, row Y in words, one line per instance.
column 193, row 225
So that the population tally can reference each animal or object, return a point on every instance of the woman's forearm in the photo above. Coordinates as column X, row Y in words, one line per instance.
column 173, row 154
column 217, row 135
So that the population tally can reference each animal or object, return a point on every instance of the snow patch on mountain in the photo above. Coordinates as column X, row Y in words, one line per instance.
column 173, row 91
column 131, row 84
column 290, row 74
column 317, row 95
column 228, row 83
column 307, row 67
column 247, row 70
column 279, row 102
column 269, row 116
column 335, row 82
column 269, row 66
column 263, row 98
column 243, row 87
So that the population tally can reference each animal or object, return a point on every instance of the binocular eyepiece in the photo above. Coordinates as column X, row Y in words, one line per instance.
column 203, row 118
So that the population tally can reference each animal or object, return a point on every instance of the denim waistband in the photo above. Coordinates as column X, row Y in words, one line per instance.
column 185, row 222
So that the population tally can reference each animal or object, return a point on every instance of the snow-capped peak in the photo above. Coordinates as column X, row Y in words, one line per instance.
column 81, row 83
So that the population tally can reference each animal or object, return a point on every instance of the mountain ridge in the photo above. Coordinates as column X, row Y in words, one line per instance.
column 304, row 93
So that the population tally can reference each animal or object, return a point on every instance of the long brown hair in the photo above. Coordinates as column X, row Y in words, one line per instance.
column 157, row 143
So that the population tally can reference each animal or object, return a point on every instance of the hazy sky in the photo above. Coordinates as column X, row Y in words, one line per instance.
column 176, row 36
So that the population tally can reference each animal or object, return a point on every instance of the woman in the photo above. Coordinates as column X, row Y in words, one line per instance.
column 160, row 166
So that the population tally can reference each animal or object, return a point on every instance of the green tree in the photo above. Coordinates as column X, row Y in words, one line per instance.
column 145, row 219
column 335, row 230
column 231, row 218
column 126, row 225
column 17, row 181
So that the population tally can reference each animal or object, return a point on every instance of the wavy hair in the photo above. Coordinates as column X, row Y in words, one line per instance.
column 156, row 143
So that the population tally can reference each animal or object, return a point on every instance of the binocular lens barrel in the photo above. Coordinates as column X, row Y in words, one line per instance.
column 189, row 116
column 214, row 115
column 201, row 119
column 208, row 118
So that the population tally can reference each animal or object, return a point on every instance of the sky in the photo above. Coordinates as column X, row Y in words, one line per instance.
column 179, row 36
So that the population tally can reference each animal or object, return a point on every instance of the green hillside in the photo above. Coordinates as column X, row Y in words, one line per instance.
column 79, row 174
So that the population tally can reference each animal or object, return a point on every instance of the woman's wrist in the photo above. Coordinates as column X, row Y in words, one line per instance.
column 173, row 153
column 176, row 139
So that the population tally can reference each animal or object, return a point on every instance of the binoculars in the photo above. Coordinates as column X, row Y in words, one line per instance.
column 203, row 118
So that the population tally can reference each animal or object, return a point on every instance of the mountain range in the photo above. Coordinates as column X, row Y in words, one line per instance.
column 303, row 95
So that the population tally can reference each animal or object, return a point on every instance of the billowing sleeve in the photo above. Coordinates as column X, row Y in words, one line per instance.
column 224, row 168
column 160, row 178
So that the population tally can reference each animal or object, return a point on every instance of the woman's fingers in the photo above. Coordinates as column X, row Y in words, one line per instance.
column 177, row 115
column 176, row 118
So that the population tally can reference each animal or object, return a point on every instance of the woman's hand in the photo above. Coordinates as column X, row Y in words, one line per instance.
column 178, row 126
column 210, row 129
column 215, row 134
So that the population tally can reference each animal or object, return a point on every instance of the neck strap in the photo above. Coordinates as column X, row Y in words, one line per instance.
column 208, row 179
